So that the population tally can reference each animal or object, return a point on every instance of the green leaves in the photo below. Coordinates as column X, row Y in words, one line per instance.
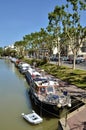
column 82, row 5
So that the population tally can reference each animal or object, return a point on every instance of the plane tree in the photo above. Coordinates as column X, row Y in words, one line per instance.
column 65, row 21
column 29, row 43
column 1, row 51
column 73, row 30
column 20, row 47
column 55, row 27
column 35, row 42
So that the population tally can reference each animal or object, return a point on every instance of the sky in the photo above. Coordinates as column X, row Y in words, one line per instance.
column 22, row 17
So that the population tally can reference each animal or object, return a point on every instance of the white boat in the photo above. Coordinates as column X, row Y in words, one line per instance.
column 32, row 117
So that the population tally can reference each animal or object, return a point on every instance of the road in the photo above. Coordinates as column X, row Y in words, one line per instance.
column 81, row 66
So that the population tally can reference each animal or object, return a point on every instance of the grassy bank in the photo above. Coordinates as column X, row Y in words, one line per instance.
column 76, row 77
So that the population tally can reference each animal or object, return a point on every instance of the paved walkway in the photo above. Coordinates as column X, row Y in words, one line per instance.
column 75, row 120
column 73, row 90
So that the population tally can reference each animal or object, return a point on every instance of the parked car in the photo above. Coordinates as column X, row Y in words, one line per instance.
column 79, row 59
column 54, row 58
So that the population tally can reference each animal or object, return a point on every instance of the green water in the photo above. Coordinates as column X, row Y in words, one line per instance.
column 14, row 99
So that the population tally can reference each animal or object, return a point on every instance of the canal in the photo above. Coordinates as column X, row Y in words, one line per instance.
column 14, row 99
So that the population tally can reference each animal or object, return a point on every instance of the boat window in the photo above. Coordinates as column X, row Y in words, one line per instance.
column 50, row 89
column 42, row 90
column 40, row 79
column 44, row 81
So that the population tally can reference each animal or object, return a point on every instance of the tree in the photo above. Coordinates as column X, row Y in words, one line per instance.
column 73, row 29
column 1, row 51
column 55, row 27
column 36, row 42
column 20, row 47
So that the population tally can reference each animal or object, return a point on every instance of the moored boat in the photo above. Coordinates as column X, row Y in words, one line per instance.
column 45, row 91
column 32, row 117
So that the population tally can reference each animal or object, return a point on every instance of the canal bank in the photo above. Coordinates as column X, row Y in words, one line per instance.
column 75, row 120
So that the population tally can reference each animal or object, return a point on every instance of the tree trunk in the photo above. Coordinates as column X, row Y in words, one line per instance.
column 74, row 61
column 59, row 62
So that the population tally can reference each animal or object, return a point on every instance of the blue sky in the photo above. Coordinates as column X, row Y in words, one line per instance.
column 21, row 17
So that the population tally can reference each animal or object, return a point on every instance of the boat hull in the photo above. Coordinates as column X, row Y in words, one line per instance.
column 51, row 109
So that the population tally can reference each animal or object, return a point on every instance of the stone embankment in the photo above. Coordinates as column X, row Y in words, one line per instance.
column 75, row 120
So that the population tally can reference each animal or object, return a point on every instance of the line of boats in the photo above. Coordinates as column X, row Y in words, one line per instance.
column 44, row 88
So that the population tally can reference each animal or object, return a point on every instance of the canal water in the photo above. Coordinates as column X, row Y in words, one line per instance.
column 14, row 100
